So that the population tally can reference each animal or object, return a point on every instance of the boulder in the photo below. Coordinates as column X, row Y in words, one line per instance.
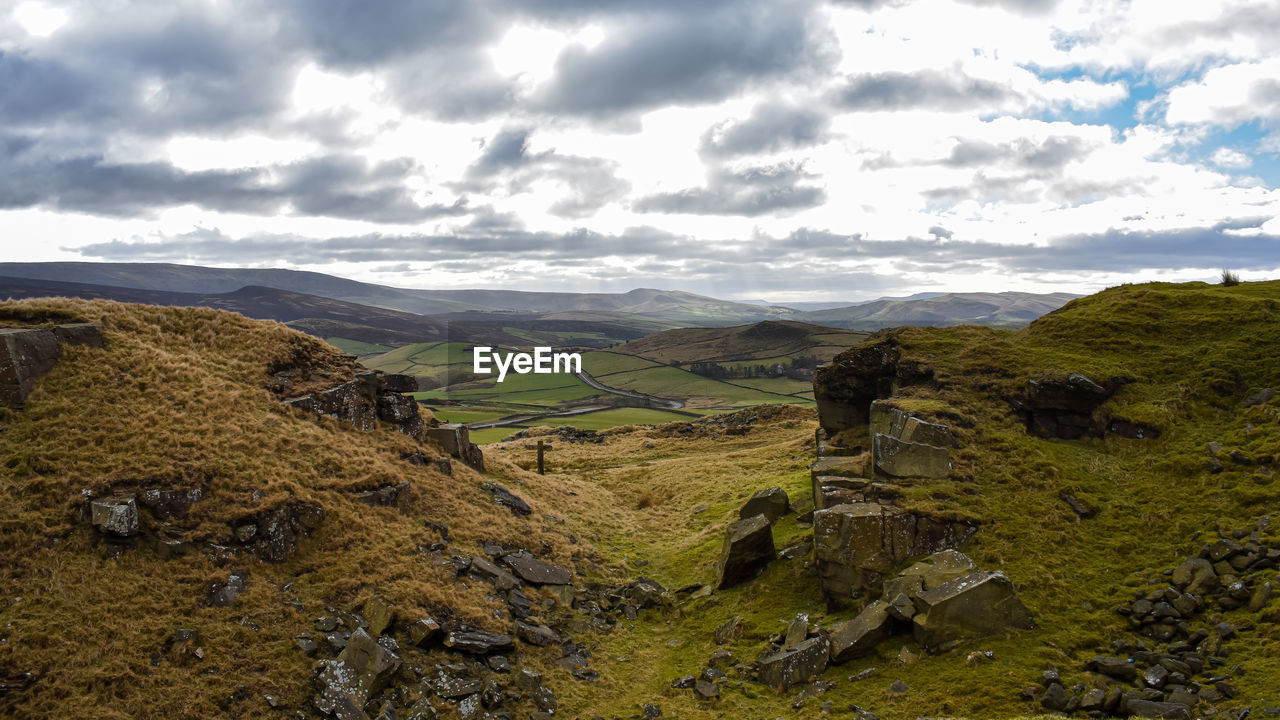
column 478, row 642
column 349, row 402
column 393, row 496
column 1195, row 575
column 397, row 383
column 506, row 498
column 116, row 516
column 729, row 631
column 856, row 544
column 1262, row 396
column 362, row 669
column 483, row 569
column 169, row 503
column 793, row 666
column 379, row 614
column 899, row 458
column 748, row 548
column 1157, row 709
column 980, row 603
column 423, row 630
column 531, row 569
column 455, row 440
column 770, row 502
column 859, row 636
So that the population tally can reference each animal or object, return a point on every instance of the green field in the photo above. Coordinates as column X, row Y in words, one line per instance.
column 699, row 391
column 602, row 363
column 355, row 347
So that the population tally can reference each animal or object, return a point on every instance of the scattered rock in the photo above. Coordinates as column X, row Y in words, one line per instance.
column 363, row 668
column 770, row 502
column 1260, row 397
column 792, row 666
column 222, row 594
column 729, row 631
column 506, row 498
column 116, row 516
column 898, row 688
column 748, row 548
column 1078, row 506
column 859, row 636
column 533, row 570
column 981, row 603
column 478, row 642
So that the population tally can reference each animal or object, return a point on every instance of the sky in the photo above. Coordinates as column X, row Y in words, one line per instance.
column 785, row 150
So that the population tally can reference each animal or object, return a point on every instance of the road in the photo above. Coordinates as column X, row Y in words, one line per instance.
column 649, row 400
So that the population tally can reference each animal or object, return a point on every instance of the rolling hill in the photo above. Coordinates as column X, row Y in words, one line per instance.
column 639, row 309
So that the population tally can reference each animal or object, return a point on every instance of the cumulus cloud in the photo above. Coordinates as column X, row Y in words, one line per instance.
column 768, row 128
column 753, row 191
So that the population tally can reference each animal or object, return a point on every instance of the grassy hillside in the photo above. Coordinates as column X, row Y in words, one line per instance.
column 759, row 341
column 181, row 399
column 1192, row 353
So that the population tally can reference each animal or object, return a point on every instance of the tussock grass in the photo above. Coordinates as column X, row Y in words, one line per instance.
column 181, row 398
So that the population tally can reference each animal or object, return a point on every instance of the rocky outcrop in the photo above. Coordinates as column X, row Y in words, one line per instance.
column 748, row 548
column 455, row 440
column 366, row 399
column 28, row 354
column 901, row 459
column 845, row 388
column 857, row 544
column 1068, row 409
column 273, row 534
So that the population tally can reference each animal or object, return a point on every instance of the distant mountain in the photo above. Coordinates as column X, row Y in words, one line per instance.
column 675, row 306
column 1006, row 309
column 643, row 310
column 256, row 302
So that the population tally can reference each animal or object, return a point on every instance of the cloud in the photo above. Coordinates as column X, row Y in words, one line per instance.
column 1051, row 153
column 769, row 128
column 702, row 54
column 589, row 183
column 753, row 191
column 940, row 233
column 1228, row 96
column 341, row 186
column 931, row 89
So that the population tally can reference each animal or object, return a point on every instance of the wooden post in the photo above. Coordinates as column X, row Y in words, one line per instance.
column 541, row 449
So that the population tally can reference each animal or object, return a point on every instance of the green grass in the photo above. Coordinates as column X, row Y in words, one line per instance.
column 602, row 363
column 783, row 385
column 356, row 347
column 422, row 358
column 701, row 392
column 548, row 390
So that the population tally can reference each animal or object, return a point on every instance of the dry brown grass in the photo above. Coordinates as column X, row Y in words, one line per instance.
column 180, row 398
